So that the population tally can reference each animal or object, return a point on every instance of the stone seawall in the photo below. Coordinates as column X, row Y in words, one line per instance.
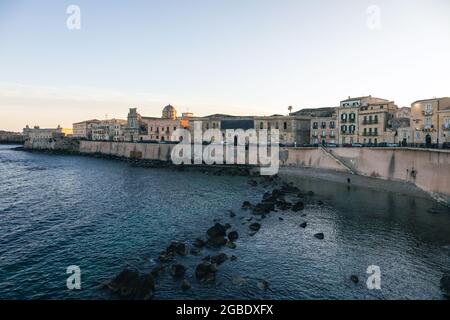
column 427, row 169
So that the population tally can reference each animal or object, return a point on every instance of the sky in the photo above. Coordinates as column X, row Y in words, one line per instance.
column 243, row 57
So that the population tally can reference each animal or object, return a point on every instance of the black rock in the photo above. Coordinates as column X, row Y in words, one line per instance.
column 185, row 285
column 354, row 278
column 233, row 258
column 246, row 205
column 289, row 188
column 280, row 218
column 227, row 226
column 158, row 270
column 263, row 208
column 164, row 256
column 199, row 243
column 219, row 259
column 232, row 214
column 128, row 284
column 320, row 202
column 319, row 236
column 283, row 205
column 181, row 249
column 310, row 193
column 195, row 251
column 217, row 230
column 255, row 226
column 298, row 206
column 204, row 269
column 303, row 225
column 233, row 235
column 177, row 270
column 216, row 242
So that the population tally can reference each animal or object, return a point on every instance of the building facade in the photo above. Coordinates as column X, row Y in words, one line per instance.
column 109, row 130
column 348, row 118
column 83, row 130
column 374, row 123
column 40, row 134
column 428, row 119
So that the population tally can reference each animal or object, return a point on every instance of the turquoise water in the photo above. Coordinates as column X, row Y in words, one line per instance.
column 105, row 215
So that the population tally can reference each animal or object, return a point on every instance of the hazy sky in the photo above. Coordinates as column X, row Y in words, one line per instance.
column 224, row 56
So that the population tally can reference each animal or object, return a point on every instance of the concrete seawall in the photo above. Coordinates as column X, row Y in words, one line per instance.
column 427, row 169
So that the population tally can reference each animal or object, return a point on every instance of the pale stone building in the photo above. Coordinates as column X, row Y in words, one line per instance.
column 374, row 123
column 40, row 134
column 83, row 129
column 429, row 118
column 109, row 130
column 348, row 117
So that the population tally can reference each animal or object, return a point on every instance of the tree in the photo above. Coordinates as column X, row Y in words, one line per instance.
column 290, row 109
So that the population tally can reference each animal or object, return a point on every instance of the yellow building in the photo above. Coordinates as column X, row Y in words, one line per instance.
column 428, row 119
column 374, row 121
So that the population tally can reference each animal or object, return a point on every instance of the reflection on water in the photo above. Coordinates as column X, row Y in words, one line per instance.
column 103, row 215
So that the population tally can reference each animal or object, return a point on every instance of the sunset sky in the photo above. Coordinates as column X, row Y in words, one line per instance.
column 215, row 56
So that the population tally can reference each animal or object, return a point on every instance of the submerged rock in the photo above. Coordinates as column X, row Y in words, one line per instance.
column 263, row 285
column 232, row 214
column 231, row 245
column 298, row 206
column 319, row 236
column 157, row 271
column 199, row 243
column 354, row 278
column 246, row 205
column 233, row 235
column 255, row 226
column 129, row 284
column 204, row 269
column 219, row 259
column 263, row 208
column 303, row 225
column 185, row 285
column 177, row 270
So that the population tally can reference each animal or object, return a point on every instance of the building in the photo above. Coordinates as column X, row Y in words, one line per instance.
column 348, row 117
column 153, row 129
column 324, row 128
column 429, row 121
column 83, row 130
column 109, row 130
column 374, row 123
column 40, row 134
column 400, row 125
column 10, row 137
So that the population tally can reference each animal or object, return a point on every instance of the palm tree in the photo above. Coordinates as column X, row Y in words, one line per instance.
column 290, row 109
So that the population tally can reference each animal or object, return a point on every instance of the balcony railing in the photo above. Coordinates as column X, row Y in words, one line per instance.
column 370, row 121
column 347, row 132
column 446, row 127
column 370, row 134
column 427, row 112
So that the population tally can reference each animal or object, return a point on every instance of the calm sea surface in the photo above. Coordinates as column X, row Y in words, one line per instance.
column 105, row 215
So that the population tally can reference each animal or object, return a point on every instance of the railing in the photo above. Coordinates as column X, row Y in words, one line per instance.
column 370, row 134
column 370, row 121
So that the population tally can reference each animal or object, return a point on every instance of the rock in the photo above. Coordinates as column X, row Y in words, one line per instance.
column 255, row 226
column 231, row 245
column 249, row 219
column 303, row 224
column 128, row 284
column 233, row 258
column 320, row 202
column 319, row 236
column 263, row 208
column 227, row 226
column 157, row 271
column 177, row 270
column 195, row 251
column 164, row 256
column 181, row 249
column 253, row 183
column 206, row 258
column 246, row 205
column 310, row 193
column 445, row 284
column 232, row 214
column 263, row 285
column 199, row 243
column 238, row 280
column 125, row 283
column 219, row 259
column 185, row 285
column 216, row 242
column 233, row 235
column 280, row 218
column 283, row 205
column 298, row 206
column 205, row 269
column 354, row 278
column 217, row 230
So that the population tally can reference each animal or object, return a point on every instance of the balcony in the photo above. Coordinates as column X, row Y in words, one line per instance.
column 446, row 127
column 351, row 120
column 427, row 112
column 347, row 132
column 370, row 134
column 370, row 122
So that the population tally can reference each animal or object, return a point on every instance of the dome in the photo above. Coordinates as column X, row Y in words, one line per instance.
column 169, row 112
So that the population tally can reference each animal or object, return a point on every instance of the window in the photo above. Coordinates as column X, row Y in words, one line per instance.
column 428, row 122
column 332, row 133
column 324, row 125
column 315, row 125
column 376, row 131
column 376, row 118
column 285, row 126
column 332, row 125
column 276, row 126
column 428, row 107
column 261, row 125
